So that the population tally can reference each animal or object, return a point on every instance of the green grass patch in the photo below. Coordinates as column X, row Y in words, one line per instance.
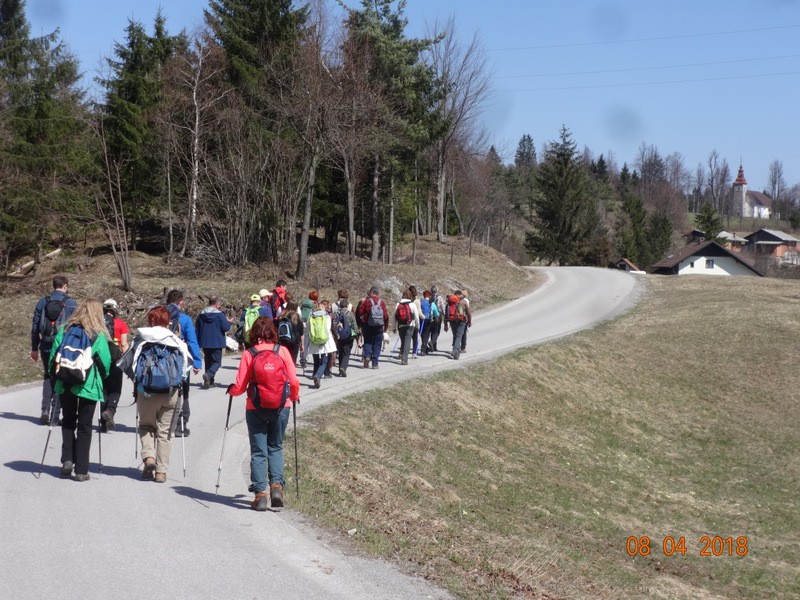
column 524, row 477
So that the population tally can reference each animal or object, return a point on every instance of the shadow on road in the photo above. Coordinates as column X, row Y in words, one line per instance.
column 32, row 467
column 205, row 498
column 16, row 417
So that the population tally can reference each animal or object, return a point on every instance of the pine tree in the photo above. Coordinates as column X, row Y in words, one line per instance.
column 565, row 218
column 525, row 157
column 709, row 222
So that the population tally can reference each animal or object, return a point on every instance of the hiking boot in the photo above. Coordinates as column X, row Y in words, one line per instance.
column 260, row 502
column 342, row 372
column 316, row 382
column 149, row 468
column 107, row 419
column 403, row 362
column 366, row 363
column 44, row 419
column 276, row 495
column 182, row 432
column 375, row 366
column 206, row 382
column 81, row 477
column 66, row 468
column 455, row 354
column 161, row 478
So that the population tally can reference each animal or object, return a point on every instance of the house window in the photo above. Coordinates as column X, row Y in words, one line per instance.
column 709, row 263
column 691, row 265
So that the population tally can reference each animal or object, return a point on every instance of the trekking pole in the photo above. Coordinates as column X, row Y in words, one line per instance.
column 136, row 438
column 49, row 431
column 183, row 448
column 224, row 435
column 296, row 465
column 100, row 442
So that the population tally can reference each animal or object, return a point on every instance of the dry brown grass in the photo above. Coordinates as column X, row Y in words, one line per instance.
column 488, row 276
column 525, row 477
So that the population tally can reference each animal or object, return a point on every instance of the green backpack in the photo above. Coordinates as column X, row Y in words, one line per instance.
column 318, row 330
column 250, row 316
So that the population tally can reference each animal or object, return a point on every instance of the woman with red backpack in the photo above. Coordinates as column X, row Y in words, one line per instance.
column 266, row 372
column 457, row 318
column 406, row 320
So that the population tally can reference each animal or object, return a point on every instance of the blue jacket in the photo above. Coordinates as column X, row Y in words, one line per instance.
column 211, row 325
column 188, row 334
column 36, row 325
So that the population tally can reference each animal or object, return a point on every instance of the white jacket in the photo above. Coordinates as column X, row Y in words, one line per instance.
column 156, row 335
column 329, row 346
column 414, row 313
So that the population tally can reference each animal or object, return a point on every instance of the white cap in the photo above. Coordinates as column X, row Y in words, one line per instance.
column 264, row 293
column 111, row 303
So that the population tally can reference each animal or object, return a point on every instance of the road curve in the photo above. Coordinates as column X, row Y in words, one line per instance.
column 119, row 537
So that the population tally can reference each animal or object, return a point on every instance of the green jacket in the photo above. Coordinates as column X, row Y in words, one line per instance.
column 92, row 388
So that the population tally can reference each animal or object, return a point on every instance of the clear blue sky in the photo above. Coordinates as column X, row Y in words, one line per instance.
column 687, row 76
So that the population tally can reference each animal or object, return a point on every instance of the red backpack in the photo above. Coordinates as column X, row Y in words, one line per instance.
column 403, row 314
column 455, row 311
column 269, row 380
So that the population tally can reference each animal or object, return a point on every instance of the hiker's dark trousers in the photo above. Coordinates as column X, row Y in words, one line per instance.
column 345, row 347
column 76, row 430
column 458, row 328
column 112, row 388
column 373, row 342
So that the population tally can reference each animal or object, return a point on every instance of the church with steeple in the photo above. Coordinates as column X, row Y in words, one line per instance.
column 747, row 203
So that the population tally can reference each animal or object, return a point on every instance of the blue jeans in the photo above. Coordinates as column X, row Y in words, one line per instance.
column 265, row 428
column 322, row 365
column 373, row 342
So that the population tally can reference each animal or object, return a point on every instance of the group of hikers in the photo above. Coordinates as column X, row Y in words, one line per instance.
column 86, row 348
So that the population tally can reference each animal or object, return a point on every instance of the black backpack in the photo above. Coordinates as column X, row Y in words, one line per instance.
column 52, row 319
column 113, row 347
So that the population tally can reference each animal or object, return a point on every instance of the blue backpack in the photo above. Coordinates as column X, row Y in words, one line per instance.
column 159, row 368
column 74, row 358
column 343, row 330
column 425, row 305
column 285, row 334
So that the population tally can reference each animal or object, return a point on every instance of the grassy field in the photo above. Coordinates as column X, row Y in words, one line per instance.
column 526, row 477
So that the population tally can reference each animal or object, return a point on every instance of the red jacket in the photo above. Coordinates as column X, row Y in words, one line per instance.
column 244, row 374
column 366, row 306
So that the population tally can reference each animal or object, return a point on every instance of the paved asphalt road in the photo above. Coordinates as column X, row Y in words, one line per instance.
column 119, row 537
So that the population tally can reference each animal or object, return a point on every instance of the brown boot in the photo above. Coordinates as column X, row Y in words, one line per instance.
column 276, row 495
column 161, row 478
column 260, row 502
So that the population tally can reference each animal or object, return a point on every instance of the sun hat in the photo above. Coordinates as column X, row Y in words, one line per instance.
column 265, row 292
column 255, row 298
column 111, row 303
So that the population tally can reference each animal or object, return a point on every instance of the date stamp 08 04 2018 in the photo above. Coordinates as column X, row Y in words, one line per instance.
column 708, row 546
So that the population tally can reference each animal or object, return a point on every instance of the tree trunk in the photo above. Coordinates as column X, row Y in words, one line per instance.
column 303, row 255
column 376, row 231
column 391, row 221
column 351, row 209
column 440, row 193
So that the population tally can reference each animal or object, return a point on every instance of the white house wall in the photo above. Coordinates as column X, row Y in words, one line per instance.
column 723, row 265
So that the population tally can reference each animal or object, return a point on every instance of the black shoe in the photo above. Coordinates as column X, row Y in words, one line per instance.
column 81, row 477
column 342, row 372
column 316, row 382
column 66, row 468
column 182, row 432
column 375, row 366
column 206, row 382
column 107, row 418
column 44, row 419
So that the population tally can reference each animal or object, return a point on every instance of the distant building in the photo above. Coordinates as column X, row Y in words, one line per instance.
column 623, row 264
column 750, row 204
column 705, row 258
column 777, row 246
column 733, row 241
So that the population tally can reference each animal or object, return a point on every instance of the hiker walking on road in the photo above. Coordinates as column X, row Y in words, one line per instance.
column 375, row 322
column 118, row 343
column 418, row 324
column 458, row 318
column 278, row 300
column 321, row 342
column 158, row 350
column 406, row 320
column 181, row 325
column 436, row 324
column 78, row 400
column 211, row 326
column 264, row 372
column 345, row 331
column 295, row 330
column 465, row 302
column 430, row 314
column 307, row 306
column 50, row 313
column 249, row 316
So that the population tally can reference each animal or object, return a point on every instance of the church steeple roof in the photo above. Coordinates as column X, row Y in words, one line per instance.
column 740, row 180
